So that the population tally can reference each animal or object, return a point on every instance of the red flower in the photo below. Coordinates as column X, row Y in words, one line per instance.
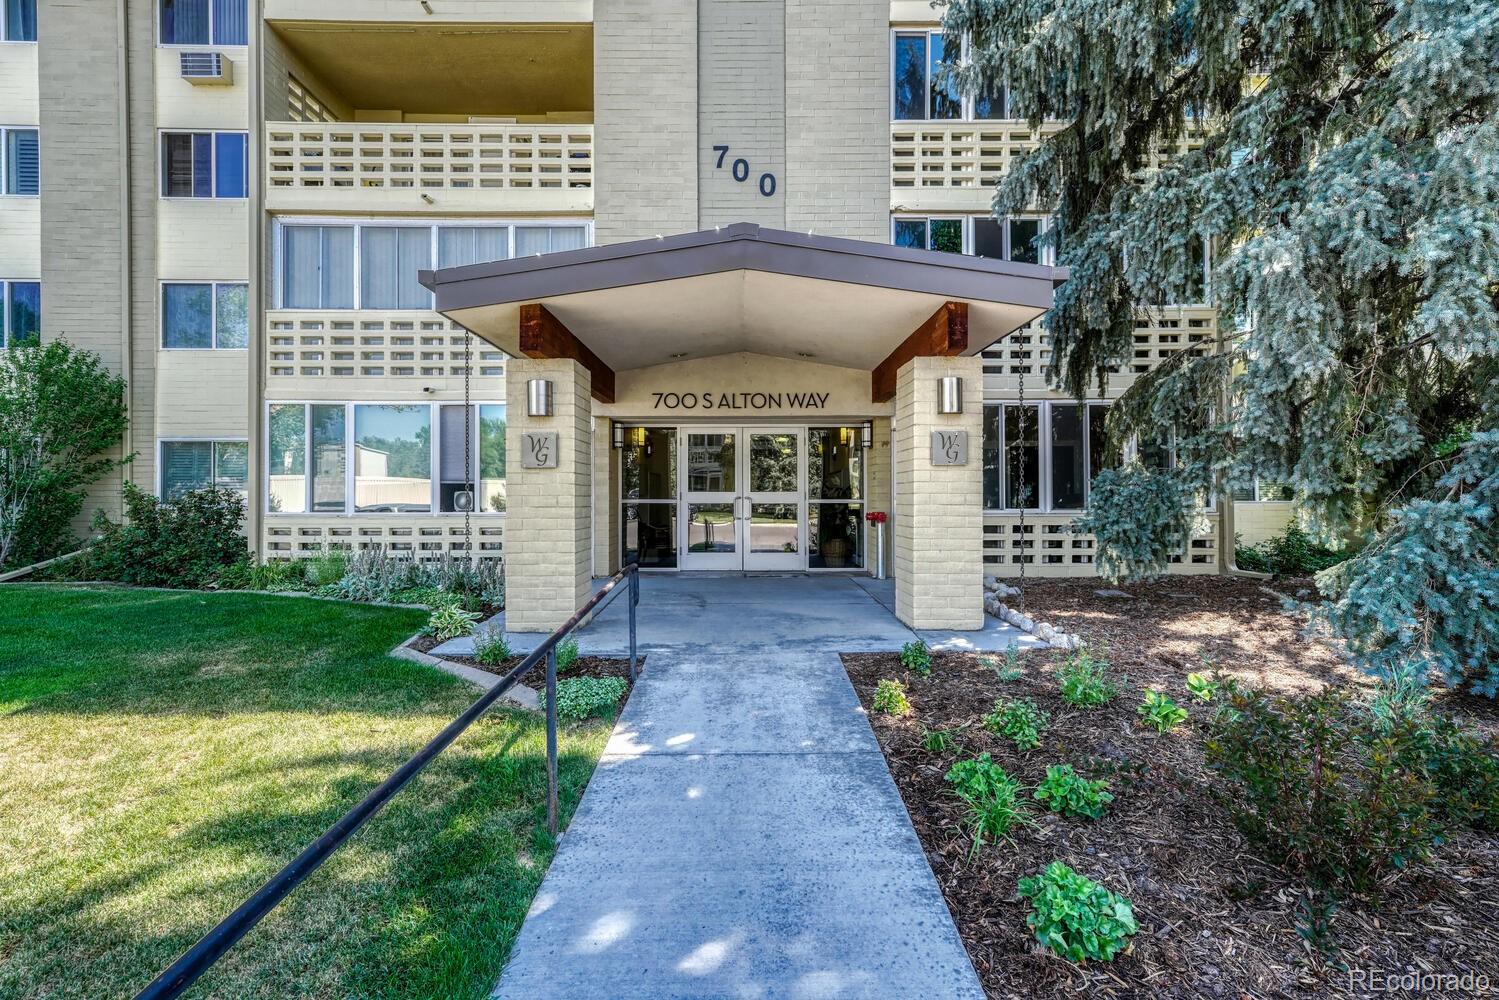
column 875, row 517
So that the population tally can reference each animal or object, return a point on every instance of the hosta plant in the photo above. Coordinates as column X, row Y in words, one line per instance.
column 1019, row 719
column 449, row 621
column 1076, row 917
column 1065, row 791
column 1205, row 688
column 890, row 698
column 917, row 658
column 1160, row 713
column 1085, row 680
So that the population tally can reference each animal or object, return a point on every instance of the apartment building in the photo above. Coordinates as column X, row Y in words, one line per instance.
column 319, row 237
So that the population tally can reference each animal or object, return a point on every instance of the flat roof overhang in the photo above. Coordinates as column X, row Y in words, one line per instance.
column 743, row 288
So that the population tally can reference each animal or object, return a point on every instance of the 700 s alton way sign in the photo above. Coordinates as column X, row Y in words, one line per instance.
column 740, row 400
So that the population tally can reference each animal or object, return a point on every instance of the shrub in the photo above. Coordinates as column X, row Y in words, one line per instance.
column 376, row 575
column 449, row 621
column 1085, row 680
column 587, row 697
column 187, row 542
column 491, row 648
column 61, row 414
column 1291, row 554
column 917, row 658
column 327, row 566
column 1065, row 791
column 247, row 574
column 890, row 698
column 1466, row 772
column 992, row 797
column 1322, row 783
column 567, row 654
column 1160, row 713
column 1020, row 719
column 1076, row 917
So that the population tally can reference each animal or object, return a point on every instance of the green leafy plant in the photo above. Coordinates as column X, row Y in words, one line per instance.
column 1009, row 669
column 1085, row 680
column 917, row 658
column 278, row 575
column 587, row 697
column 1076, row 917
column 491, row 647
column 325, row 567
column 1160, row 713
column 890, row 698
column 1205, row 688
column 939, row 740
column 378, row 575
column 567, row 654
column 1465, row 769
column 1065, row 791
column 992, row 797
column 449, row 621
column 187, row 542
column 1020, row 719
column 1291, row 554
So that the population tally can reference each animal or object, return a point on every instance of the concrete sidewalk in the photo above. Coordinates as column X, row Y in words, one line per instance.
column 742, row 836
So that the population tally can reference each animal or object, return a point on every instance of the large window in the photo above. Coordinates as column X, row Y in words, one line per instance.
column 20, row 161
column 204, row 165
column 375, row 266
column 1042, row 456
column 919, row 91
column 19, row 22
column 648, row 496
column 20, row 312
column 383, row 457
column 205, row 315
column 192, row 465
column 930, row 234
column 204, row 22
column 835, row 498
column 1016, row 238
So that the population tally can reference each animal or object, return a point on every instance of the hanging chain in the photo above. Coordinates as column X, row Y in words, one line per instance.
column 468, row 446
column 1020, row 546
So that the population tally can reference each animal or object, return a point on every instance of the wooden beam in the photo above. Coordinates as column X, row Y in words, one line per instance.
column 543, row 335
column 944, row 335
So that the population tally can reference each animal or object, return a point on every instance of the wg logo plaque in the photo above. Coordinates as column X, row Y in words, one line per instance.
column 539, row 451
column 949, row 447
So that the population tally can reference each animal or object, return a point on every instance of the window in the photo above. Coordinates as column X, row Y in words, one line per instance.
column 392, row 459
column 485, row 451
column 192, row 465
column 204, row 22
column 531, row 240
column 205, row 315
column 20, row 165
column 460, row 245
column 389, row 259
column 835, row 497
column 1264, row 492
column 204, row 165
column 648, row 496
column 20, row 313
column 317, row 267
column 20, row 20
column 1059, row 438
column 919, row 91
column 930, row 234
column 1017, row 238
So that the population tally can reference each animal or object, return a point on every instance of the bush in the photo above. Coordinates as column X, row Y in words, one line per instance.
column 567, row 654
column 1065, row 791
column 1085, row 680
column 449, row 621
column 491, row 648
column 992, row 797
column 1466, row 772
column 587, row 697
column 1160, row 713
column 247, row 574
column 1320, row 782
column 1019, row 719
column 188, row 542
column 376, row 575
column 61, row 412
column 1291, row 554
column 917, row 658
column 326, row 567
column 890, row 698
column 1076, row 917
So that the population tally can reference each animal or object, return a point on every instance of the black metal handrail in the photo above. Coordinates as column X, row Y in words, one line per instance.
column 211, row 947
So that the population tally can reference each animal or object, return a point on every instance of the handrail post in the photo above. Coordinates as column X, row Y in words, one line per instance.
column 552, row 739
column 634, row 600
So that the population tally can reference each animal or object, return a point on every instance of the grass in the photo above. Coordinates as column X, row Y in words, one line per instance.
column 165, row 752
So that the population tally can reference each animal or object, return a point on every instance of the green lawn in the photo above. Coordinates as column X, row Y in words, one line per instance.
column 164, row 753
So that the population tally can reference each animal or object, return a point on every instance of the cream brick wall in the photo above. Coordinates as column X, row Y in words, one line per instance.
column 646, row 133
column 605, row 499
column 550, row 11
column 183, row 105
column 1259, row 522
column 202, row 394
column 204, row 239
column 939, row 571
column 20, row 238
column 18, row 93
column 742, row 70
column 548, row 529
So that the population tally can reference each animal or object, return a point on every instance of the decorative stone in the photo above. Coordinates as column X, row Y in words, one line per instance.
column 1045, row 631
column 1113, row 593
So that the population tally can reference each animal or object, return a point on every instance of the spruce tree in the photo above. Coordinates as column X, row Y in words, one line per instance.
column 1341, row 159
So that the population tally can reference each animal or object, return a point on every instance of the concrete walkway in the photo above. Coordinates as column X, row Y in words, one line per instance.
column 742, row 836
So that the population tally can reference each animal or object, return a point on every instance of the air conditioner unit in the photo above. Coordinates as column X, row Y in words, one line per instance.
column 207, row 69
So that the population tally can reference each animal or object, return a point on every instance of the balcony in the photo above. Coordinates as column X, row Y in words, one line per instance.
column 384, row 167
column 341, row 353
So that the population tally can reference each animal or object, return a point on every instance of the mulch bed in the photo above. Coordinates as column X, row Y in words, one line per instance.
column 1215, row 920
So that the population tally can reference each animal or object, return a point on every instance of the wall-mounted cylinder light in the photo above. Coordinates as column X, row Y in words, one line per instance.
column 950, row 394
column 619, row 435
column 866, row 435
column 539, row 397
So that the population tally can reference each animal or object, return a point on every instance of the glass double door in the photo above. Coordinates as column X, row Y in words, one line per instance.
column 743, row 498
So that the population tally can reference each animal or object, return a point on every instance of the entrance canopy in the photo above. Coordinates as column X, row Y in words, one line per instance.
column 744, row 289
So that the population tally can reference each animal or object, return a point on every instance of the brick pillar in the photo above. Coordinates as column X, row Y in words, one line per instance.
column 548, row 529
column 877, row 492
column 605, row 499
column 939, row 522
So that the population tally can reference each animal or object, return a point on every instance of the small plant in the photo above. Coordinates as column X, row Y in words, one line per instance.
column 1160, row 713
column 1019, row 719
column 449, row 621
column 1009, row 668
column 1085, row 680
column 491, row 648
column 1203, row 686
column 567, row 654
column 939, row 740
column 1063, row 790
column 587, row 697
column 890, row 698
column 917, row 658
column 327, row 566
column 992, row 797
column 1076, row 917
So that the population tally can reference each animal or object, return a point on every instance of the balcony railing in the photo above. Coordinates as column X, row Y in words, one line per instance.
column 366, row 343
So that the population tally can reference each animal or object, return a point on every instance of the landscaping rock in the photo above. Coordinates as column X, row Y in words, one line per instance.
column 1109, row 592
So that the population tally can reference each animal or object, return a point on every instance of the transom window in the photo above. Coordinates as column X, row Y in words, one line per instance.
column 1017, row 238
column 204, row 165
column 204, row 22
column 194, row 465
column 20, row 313
column 375, row 266
column 20, row 161
column 205, row 315
column 918, row 91
column 19, row 21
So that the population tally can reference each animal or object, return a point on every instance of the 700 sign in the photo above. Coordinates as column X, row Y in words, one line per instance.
column 739, row 169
